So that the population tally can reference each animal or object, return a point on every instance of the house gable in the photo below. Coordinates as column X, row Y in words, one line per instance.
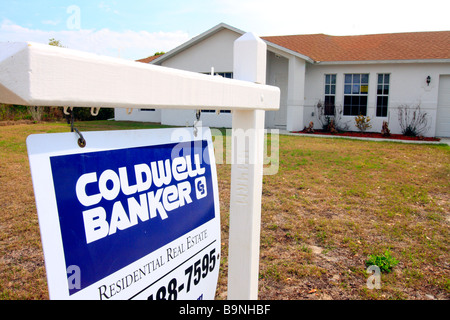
column 213, row 48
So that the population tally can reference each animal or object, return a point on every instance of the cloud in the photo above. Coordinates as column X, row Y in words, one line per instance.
column 129, row 44
column 334, row 17
column 51, row 22
column 107, row 8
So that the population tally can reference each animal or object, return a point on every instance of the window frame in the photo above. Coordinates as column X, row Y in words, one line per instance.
column 356, row 87
column 381, row 109
column 330, row 107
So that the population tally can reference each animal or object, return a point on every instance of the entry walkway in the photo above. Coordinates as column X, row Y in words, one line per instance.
column 443, row 140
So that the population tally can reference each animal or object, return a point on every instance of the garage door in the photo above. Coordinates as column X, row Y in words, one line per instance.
column 443, row 109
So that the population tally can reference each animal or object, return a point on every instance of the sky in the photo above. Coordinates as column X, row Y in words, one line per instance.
column 135, row 29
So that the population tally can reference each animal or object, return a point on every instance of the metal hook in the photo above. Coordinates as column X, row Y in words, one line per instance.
column 81, row 140
column 198, row 114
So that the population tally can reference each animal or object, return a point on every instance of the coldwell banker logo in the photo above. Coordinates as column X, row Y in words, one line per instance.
column 118, row 206
column 169, row 176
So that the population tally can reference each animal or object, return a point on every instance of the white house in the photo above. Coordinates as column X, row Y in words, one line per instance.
column 372, row 75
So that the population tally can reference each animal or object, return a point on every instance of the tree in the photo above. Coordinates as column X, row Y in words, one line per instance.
column 55, row 43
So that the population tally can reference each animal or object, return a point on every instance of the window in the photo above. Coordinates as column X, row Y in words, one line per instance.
column 228, row 75
column 382, row 94
column 214, row 111
column 330, row 94
column 356, row 89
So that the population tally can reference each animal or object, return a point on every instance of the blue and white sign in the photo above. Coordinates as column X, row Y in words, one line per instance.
column 134, row 215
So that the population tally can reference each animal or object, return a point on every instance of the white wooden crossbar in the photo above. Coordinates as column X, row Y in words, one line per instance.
column 39, row 75
column 42, row 75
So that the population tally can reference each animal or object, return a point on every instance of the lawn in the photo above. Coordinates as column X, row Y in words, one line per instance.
column 333, row 203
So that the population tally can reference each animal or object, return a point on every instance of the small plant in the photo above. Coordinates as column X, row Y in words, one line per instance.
column 385, row 262
column 412, row 120
column 310, row 128
column 331, row 127
column 363, row 123
column 385, row 132
column 330, row 117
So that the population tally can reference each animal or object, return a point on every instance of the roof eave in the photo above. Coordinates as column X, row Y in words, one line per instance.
column 383, row 61
column 288, row 51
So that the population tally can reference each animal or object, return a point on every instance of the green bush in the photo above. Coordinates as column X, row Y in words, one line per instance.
column 362, row 123
column 16, row 112
column 84, row 114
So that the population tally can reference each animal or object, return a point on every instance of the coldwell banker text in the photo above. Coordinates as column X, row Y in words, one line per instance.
column 169, row 176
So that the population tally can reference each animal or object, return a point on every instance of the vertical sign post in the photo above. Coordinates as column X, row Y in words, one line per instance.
column 250, row 54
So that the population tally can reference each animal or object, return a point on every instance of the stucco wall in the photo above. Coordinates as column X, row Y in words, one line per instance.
column 137, row 115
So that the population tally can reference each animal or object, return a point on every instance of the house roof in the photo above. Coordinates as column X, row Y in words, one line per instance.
column 314, row 48
column 376, row 47
column 149, row 59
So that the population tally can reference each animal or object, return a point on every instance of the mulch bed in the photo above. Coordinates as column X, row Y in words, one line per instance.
column 371, row 135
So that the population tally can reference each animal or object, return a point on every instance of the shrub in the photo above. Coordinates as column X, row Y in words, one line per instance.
column 363, row 123
column 330, row 117
column 385, row 132
column 17, row 112
column 36, row 112
column 412, row 120
column 84, row 114
column 310, row 128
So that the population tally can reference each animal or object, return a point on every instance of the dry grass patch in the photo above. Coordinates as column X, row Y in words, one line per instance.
column 351, row 199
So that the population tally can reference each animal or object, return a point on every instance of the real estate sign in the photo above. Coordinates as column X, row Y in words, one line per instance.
column 133, row 215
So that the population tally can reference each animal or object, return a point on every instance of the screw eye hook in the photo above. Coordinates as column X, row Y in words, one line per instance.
column 198, row 114
column 81, row 140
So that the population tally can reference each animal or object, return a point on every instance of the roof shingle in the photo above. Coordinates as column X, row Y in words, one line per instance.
column 392, row 46
column 149, row 59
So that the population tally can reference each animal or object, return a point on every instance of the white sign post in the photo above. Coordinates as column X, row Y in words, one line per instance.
column 246, row 175
column 40, row 75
